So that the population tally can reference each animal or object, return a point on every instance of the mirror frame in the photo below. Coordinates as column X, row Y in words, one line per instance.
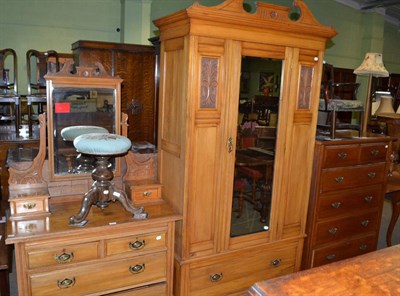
column 85, row 77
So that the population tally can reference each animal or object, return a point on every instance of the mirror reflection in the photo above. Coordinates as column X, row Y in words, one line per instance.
column 256, row 140
column 77, row 111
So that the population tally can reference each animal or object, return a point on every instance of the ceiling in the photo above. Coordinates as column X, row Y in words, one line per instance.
column 389, row 8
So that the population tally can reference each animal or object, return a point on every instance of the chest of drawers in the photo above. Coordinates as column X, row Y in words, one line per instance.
column 111, row 255
column 348, row 187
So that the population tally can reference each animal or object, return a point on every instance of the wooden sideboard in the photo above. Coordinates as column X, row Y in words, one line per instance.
column 112, row 253
column 348, row 188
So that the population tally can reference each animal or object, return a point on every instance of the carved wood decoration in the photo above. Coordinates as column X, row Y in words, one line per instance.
column 209, row 82
column 305, row 88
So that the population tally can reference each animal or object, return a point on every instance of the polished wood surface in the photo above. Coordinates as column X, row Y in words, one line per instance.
column 375, row 273
column 111, row 253
column 393, row 187
column 201, row 53
column 5, row 262
column 348, row 188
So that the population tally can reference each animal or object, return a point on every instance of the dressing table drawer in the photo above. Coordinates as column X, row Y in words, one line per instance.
column 40, row 257
column 134, row 244
column 101, row 277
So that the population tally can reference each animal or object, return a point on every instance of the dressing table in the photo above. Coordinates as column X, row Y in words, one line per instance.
column 112, row 254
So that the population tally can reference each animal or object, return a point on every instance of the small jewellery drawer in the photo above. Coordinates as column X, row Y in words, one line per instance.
column 343, row 155
column 100, row 277
column 142, row 192
column 373, row 152
column 137, row 243
column 62, row 255
column 330, row 231
column 349, row 202
column 343, row 250
column 217, row 277
column 347, row 177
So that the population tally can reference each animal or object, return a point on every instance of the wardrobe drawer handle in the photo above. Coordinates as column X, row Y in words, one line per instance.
column 64, row 257
column 336, row 204
column 276, row 262
column 339, row 179
column 371, row 175
column 138, row 268
column 66, row 283
column 363, row 247
column 137, row 245
column 374, row 152
column 216, row 277
column 332, row 230
column 331, row 257
column 365, row 223
column 342, row 155
column 368, row 198
column 29, row 205
column 147, row 193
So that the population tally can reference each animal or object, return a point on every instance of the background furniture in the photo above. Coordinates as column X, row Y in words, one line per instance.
column 136, row 66
column 201, row 56
column 348, row 187
column 10, row 101
column 35, row 77
column 375, row 273
column 5, row 262
column 393, row 188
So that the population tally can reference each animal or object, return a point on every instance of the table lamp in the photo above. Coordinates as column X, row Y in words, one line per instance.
column 372, row 66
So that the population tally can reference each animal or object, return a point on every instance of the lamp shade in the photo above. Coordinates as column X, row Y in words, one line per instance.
column 372, row 65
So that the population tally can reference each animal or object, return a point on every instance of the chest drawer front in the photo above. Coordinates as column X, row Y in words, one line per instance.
column 241, row 271
column 134, row 244
column 349, row 202
column 62, row 255
column 146, row 194
column 331, row 231
column 155, row 290
column 373, row 152
column 343, row 155
column 344, row 250
column 347, row 177
column 101, row 277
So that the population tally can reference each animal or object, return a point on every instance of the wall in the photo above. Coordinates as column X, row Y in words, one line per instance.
column 56, row 24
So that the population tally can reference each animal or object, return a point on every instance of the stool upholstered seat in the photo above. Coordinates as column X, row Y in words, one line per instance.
column 71, row 132
column 102, row 144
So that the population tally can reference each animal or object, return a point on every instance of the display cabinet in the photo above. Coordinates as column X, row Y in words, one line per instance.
column 201, row 54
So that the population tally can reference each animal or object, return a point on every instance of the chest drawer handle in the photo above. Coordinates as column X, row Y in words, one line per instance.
column 64, row 257
column 339, row 179
column 138, row 268
column 363, row 247
column 66, row 283
column 332, row 230
column 137, row 245
column 336, row 204
column 342, row 155
column 331, row 257
column 216, row 277
column 368, row 198
column 371, row 175
column 276, row 262
column 29, row 205
column 365, row 223
column 147, row 193
column 374, row 152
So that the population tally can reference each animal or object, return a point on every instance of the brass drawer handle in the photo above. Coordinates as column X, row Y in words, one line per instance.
column 29, row 206
column 332, row 230
column 342, row 155
column 365, row 223
column 276, row 262
column 66, row 283
column 216, row 277
column 374, row 152
column 368, row 198
column 138, row 268
column 331, row 257
column 363, row 247
column 371, row 175
column 339, row 179
column 147, row 193
column 137, row 245
column 64, row 257
column 336, row 204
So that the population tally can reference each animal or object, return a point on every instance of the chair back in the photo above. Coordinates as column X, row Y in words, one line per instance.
column 45, row 61
column 6, row 82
